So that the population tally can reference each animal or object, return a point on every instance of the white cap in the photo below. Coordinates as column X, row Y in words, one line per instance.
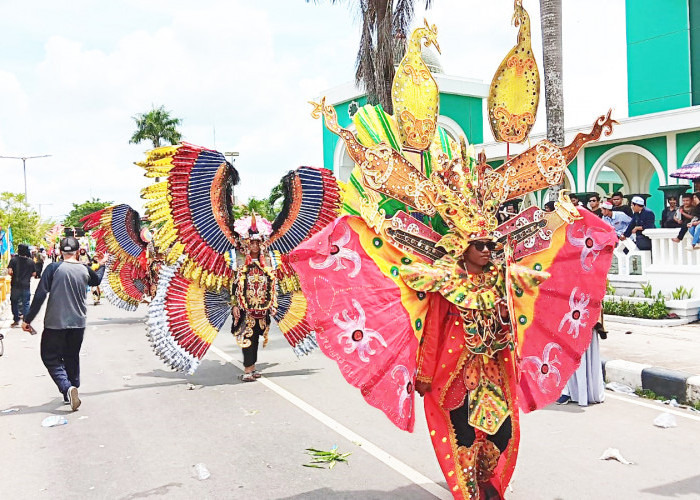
column 606, row 205
column 638, row 200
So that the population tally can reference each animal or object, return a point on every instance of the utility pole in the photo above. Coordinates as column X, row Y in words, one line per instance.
column 24, row 169
column 42, row 205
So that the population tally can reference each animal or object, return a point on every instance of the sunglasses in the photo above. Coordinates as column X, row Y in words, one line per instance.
column 480, row 245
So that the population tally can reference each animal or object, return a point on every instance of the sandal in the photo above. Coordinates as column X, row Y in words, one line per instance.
column 247, row 377
column 256, row 374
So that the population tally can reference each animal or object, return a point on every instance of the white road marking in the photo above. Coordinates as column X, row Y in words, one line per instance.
column 405, row 470
column 657, row 407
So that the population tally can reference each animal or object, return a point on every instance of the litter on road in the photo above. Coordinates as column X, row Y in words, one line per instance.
column 665, row 420
column 54, row 421
column 614, row 454
column 618, row 387
column 201, row 472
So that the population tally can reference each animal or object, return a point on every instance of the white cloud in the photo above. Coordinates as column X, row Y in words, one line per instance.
column 71, row 80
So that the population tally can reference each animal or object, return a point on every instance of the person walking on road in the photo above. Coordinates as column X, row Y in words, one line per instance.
column 65, row 317
column 39, row 259
column 255, row 292
column 21, row 268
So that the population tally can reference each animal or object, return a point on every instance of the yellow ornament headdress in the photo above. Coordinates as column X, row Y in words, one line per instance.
column 464, row 192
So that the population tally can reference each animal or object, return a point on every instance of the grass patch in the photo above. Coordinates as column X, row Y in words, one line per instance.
column 648, row 394
column 622, row 307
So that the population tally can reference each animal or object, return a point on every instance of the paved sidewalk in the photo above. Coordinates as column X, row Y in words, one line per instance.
column 674, row 348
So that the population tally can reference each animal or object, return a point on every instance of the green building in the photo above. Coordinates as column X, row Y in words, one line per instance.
column 661, row 133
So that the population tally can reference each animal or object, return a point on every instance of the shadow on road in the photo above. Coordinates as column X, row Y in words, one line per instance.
column 404, row 492
column 160, row 490
column 118, row 321
column 292, row 373
column 689, row 486
column 212, row 373
column 209, row 373
column 56, row 406
column 53, row 407
column 568, row 408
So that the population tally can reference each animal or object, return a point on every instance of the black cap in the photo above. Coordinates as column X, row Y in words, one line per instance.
column 23, row 250
column 69, row 244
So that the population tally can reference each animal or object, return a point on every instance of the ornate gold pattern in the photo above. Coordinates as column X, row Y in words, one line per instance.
column 415, row 94
column 513, row 128
column 515, row 89
column 550, row 162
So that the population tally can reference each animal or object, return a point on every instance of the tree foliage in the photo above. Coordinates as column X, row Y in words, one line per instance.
column 24, row 221
column 383, row 21
column 269, row 207
column 156, row 126
column 80, row 210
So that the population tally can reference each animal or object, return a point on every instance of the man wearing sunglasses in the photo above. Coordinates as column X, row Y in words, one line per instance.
column 594, row 205
column 484, row 247
column 473, row 324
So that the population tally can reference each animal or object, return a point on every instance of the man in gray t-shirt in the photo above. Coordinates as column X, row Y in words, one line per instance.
column 65, row 283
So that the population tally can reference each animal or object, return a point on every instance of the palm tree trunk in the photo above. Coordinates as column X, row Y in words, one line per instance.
column 385, row 54
column 550, row 15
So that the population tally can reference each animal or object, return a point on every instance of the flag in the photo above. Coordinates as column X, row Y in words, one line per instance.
column 5, row 246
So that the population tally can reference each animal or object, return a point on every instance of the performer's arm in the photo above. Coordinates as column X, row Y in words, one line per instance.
column 41, row 292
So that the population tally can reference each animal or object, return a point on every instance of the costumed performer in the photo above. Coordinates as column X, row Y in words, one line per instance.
column 254, row 295
column 409, row 289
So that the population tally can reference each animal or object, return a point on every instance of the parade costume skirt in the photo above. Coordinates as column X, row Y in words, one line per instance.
column 472, row 404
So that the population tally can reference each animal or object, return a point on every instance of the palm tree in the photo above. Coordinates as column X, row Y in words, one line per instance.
column 156, row 125
column 383, row 22
column 550, row 16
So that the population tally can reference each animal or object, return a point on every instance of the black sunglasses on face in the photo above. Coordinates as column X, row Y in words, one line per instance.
column 480, row 245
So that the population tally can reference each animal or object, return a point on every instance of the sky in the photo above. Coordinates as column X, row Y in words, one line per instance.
column 73, row 73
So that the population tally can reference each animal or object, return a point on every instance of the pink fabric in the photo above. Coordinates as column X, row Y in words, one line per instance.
column 359, row 319
column 567, row 308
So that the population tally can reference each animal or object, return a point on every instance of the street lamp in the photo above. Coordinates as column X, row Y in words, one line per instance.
column 24, row 168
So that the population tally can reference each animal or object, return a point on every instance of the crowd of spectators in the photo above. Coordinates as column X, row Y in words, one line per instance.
column 630, row 220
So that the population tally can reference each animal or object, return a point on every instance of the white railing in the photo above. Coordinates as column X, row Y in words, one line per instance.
column 666, row 267
column 667, row 253
column 629, row 261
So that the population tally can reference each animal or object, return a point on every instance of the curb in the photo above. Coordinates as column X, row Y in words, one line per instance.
column 683, row 386
column 629, row 320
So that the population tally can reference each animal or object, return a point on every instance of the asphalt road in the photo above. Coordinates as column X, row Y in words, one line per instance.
column 141, row 429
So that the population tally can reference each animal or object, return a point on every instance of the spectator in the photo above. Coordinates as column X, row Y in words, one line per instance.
column 65, row 317
column 549, row 206
column 574, row 200
column 39, row 258
column 685, row 215
column 694, row 224
column 21, row 268
column 618, row 220
column 587, row 384
column 670, row 214
column 84, row 257
column 618, row 206
column 642, row 218
column 594, row 205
